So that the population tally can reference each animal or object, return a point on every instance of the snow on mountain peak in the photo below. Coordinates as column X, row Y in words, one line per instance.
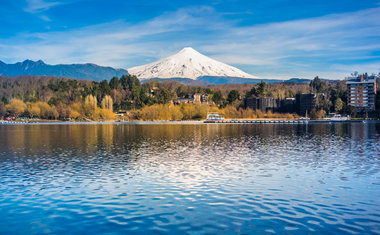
column 187, row 63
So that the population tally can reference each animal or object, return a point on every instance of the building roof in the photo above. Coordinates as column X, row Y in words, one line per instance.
column 358, row 80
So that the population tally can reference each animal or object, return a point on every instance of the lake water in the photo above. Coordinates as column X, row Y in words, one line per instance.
column 196, row 179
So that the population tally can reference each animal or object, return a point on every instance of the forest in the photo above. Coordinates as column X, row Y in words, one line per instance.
column 46, row 97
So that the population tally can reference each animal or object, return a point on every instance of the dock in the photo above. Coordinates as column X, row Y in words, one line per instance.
column 279, row 121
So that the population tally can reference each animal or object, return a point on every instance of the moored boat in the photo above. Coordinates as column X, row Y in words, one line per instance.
column 214, row 118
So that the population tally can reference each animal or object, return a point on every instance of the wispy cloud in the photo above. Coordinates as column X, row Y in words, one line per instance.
column 37, row 6
column 325, row 46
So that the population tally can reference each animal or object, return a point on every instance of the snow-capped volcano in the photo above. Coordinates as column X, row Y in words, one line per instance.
column 187, row 63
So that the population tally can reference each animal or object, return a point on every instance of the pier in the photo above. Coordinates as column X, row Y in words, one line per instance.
column 279, row 121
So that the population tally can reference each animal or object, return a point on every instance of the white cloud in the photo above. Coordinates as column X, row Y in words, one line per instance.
column 299, row 48
column 36, row 6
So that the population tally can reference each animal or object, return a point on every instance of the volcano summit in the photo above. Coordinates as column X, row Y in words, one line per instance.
column 188, row 63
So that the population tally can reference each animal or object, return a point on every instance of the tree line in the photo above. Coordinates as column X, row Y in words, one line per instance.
column 61, row 98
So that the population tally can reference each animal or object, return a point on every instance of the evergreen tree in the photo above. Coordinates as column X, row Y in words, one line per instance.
column 317, row 85
column 233, row 95
column 217, row 97
column 262, row 90
column 114, row 83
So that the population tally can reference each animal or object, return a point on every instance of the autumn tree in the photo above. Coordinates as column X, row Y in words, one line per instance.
column 314, row 114
column 90, row 106
column 63, row 110
column 77, row 111
column 338, row 106
column 15, row 107
column 32, row 110
column 107, row 103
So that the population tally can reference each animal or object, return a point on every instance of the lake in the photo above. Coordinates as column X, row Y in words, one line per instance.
column 190, row 179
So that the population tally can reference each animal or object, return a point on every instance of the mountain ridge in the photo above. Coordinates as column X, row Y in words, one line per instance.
column 87, row 71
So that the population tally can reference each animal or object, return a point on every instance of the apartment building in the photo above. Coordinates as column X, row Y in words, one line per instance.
column 362, row 92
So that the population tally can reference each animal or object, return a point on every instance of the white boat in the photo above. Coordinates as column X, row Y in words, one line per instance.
column 339, row 118
column 214, row 117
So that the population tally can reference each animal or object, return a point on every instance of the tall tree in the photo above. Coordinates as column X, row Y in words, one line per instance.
column 164, row 96
column 217, row 97
column 317, row 85
column 114, row 83
column 233, row 95
column 105, row 88
column 107, row 103
column 262, row 90
column 90, row 106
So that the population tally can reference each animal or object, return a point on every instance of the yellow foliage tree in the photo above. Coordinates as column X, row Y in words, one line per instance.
column 230, row 112
column 247, row 113
column 44, row 110
column 259, row 114
column 175, row 113
column 77, row 111
column 270, row 114
column 188, row 111
column 33, row 110
column 107, row 103
column 194, row 111
column 15, row 107
column 106, row 114
column 90, row 107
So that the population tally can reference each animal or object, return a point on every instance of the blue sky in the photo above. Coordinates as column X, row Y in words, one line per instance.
column 269, row 39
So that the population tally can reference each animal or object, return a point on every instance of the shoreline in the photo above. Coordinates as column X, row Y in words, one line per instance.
column 190, row 122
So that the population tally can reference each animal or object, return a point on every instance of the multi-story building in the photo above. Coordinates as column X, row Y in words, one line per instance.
column 362, row 92
column 288, row 105
column 264, row 104
column 305, row 103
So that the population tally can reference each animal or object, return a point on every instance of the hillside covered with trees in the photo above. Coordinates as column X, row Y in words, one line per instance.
column 60, row 98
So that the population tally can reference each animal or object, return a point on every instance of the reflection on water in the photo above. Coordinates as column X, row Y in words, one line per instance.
column 190, row 178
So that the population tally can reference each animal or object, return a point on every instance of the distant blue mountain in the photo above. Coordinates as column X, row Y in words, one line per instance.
column 237, row 80
column 210, row 80
column 184, row 81
column 233, row 80
column 78, row 71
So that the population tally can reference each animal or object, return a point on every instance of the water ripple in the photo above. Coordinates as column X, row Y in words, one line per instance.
column 206, row 179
